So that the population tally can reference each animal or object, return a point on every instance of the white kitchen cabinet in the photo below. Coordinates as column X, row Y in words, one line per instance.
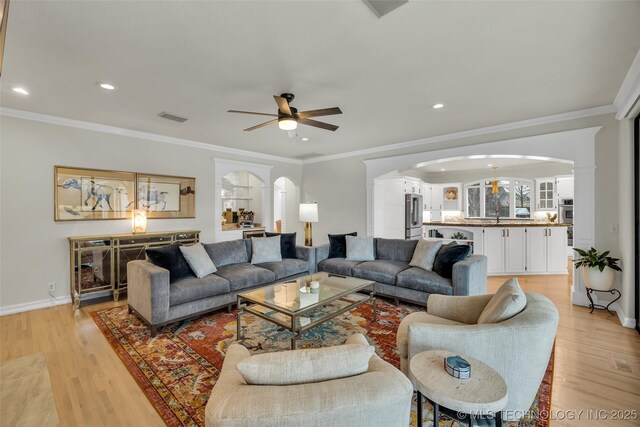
column 557, row 250
column 565, row 187
column 504, row 248
column 494, row 249
column 536, row 250
column 547, row 250
column 412, row 185
column 524, row 250
column 546, row 194
column 426, row 196
column 393, row 208
column 435, row 202
column 514, row 250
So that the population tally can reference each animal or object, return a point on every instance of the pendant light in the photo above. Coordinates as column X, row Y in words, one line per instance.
column 494, row 183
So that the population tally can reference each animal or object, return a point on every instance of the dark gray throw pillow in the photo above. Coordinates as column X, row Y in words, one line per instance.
column 449, row 255
column 170, row 258
column 338, row 245
column 287, row 244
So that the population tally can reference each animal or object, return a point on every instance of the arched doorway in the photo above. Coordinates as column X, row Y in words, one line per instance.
column 285, row 203
column 577, row 146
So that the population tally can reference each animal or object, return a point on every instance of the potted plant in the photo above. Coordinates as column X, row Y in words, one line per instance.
column 598, row 269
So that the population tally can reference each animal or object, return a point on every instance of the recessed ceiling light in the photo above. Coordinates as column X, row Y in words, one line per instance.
column 107, row 86
column 305, row 139
column 437, row 106
column 442, row 170
column 20, row 90
column 489, row 165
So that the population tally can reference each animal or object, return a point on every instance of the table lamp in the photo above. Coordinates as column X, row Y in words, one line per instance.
column 139, row 221
column 308, row 214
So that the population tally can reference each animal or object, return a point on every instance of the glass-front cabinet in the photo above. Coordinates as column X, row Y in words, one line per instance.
column 546, row 189
column 99, row 263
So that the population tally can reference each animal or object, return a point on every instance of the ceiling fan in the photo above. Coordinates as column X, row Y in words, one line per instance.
column 288, row 117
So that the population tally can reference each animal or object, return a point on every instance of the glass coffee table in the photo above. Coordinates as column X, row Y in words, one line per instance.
column 290, row 306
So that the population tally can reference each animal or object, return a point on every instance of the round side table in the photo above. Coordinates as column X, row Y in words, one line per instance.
column 482, row 396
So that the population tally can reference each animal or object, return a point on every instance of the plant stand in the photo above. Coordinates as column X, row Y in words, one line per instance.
column 593, row 306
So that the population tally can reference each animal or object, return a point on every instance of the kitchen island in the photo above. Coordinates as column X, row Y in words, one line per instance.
column 511, row 246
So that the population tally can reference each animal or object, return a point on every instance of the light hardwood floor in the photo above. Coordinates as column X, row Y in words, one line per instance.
column 597, row 362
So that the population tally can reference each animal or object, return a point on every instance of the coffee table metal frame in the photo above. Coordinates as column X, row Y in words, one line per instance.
column 298, row 329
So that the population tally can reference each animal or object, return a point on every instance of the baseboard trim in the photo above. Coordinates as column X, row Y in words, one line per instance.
column 34, row 305
column 627, row 322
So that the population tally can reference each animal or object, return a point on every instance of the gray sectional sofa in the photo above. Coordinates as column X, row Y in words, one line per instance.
column 158, row 302
column 395, row 278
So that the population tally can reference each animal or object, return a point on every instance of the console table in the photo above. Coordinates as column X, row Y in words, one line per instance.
column 99, row 263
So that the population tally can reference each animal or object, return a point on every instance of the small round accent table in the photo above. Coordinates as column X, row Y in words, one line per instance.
column 483, row 396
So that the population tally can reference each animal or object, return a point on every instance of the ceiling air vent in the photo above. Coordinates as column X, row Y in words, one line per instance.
column 306, row 156
column 382, row 7
column 173, row 117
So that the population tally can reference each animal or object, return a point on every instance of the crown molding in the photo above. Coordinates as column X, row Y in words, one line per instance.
column 97, row 127
column 629, row 93
column 572, row 115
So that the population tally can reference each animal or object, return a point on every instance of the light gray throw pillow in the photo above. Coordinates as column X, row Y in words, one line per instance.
column 508, row 301
column 265, row 249
column 425, row 254
column 306, row 366
column 198, row 259
column 360, row 248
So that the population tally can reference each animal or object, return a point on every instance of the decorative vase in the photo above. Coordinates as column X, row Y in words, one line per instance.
column 598, row 280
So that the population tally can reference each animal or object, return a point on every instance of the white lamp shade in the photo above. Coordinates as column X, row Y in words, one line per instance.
column 308, row 212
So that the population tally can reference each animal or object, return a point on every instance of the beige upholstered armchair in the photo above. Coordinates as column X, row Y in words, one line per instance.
column 381, row 396
column 518, row 348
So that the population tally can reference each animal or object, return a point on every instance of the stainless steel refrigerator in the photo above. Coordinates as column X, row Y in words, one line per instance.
column 412, row 216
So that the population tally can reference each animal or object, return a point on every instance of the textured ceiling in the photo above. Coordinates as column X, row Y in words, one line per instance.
column 488, row 62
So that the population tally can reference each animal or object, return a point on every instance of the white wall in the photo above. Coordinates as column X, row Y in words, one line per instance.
column 34, row 248
column 339, row 185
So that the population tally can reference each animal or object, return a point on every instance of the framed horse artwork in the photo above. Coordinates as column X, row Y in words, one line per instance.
column 92, row 194
column 165, row 196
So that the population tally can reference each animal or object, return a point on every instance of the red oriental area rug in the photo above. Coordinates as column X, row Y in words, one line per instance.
column 178, row 368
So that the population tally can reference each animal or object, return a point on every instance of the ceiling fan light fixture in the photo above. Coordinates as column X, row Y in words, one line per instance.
column 287, row 123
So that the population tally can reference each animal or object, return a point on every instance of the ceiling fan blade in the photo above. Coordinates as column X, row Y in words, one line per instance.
column 318, row 124
column 270, row 122
column 283, row 105
column 318, row 113
column 251, row 112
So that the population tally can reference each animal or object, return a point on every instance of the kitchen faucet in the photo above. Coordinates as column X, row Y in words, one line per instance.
column 497, row 215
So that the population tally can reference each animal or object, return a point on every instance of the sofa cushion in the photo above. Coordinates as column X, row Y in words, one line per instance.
column 447, row 256
column 287, row 244
column 425, row 254
column 245, row 275
column 360, row 248
column 383, row 271
column 395, row 249
column 198, row 259
column 287, row 267
column 338, row 245
column 402, row 338
column 337, row 266
column 306, row 366
column 508, row 301
column 225, row 253
column 422, row 280
column 265, row 249
column 170, row 258
column 192, row 289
